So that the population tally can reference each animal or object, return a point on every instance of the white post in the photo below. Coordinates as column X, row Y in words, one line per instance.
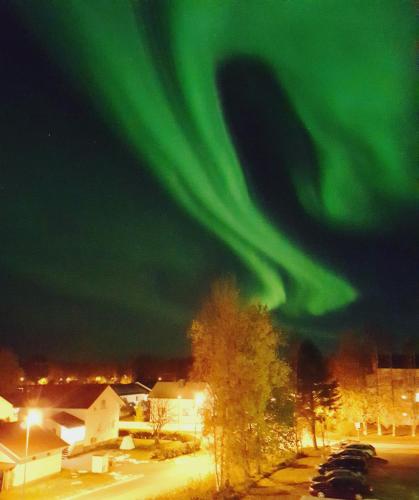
column 26, row 456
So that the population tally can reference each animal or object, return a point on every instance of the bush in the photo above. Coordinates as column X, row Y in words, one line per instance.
column 166, row 453
column 170, row 436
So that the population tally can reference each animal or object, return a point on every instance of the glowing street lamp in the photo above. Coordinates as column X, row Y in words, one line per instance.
column 33, row 417
column 199, row 399
column 358, row 427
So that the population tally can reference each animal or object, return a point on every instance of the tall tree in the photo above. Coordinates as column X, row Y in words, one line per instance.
column 10, row 371
column 311, row 373
column 235, row 348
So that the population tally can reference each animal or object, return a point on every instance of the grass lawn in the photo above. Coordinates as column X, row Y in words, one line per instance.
column 291, row 480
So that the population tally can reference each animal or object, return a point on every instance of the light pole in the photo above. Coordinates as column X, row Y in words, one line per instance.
column 33, row 417
column 358, row 427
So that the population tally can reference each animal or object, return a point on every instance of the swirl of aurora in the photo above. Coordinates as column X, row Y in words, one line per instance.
column 151, row 68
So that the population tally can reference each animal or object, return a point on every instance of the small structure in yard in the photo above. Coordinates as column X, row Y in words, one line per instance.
column 100, row 463
column 182, row 402
column 22, row 460
column 127, row 443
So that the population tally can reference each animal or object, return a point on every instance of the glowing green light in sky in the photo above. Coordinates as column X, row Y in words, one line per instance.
column 151, row 68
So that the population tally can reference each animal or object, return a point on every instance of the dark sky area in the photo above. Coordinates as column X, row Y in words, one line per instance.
column 148, row 148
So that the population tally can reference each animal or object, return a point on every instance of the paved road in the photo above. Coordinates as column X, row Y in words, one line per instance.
column 398, row 479
column 151, row 479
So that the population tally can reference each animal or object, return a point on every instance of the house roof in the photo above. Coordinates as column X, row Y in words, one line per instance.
column 66, row 420
column 58, row 396
column 13, row 438
column 126, row 389
column 173, row 390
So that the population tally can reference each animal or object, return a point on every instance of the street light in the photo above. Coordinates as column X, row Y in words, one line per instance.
column 33, row 417
column 358, row 427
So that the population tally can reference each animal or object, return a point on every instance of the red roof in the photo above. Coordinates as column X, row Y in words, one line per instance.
column 58, row 396
column 66, row 420
column 13, row 438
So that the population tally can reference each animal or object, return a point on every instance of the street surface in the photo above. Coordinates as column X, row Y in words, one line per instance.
column 151, row 479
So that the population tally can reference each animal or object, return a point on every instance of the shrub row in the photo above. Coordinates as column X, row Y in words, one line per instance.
column 185, row 449
column 171, row 436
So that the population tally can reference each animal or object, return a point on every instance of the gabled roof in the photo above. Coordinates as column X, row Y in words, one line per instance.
column 126, row 389
column 58, row 396
column 13, row 440
column 174, row 390
column 66, row 420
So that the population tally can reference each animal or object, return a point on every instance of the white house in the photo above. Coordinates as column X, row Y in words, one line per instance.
column 81, row 415
column 7, row 412
column 180, row 401
column 132, row 393
column 43, row 457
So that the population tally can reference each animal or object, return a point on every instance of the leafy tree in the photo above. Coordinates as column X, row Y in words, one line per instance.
column 235, row 351
column 10, row 371
column 326, row 399
column 311, row 373
column 159, row 417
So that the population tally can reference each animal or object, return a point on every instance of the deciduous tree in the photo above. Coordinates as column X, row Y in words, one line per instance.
column 235, row 351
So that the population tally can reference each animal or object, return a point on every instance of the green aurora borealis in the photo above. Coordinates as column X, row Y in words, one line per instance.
column 154, row 73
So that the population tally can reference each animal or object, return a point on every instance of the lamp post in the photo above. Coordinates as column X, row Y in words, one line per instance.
column 358, row 427
column 33, row 417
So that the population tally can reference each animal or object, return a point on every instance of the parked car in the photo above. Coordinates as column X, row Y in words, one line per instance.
column 347, row 442
column 352, row 452
column 369, row 448
column 352, row 463
column 346, row 488
column 338, row 473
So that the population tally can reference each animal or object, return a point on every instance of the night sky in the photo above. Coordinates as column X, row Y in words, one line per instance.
column 149, row 147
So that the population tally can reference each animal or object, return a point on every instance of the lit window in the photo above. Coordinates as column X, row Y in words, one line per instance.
column 405, row 397
column 417, row 397
column 404, row 414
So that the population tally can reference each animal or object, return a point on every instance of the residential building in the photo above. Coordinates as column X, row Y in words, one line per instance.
column 7, row 412
column 18, row 463
column 82, row 415
column 181, row 402
column 395, row 381
column 132, row 393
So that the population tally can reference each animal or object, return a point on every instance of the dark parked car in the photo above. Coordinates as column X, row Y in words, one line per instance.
column 369, row 448
column 341, row 487
column 338, row 473
column 351, row 463
column 352, row 452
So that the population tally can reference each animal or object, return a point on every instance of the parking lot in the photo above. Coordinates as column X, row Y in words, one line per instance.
column 398, row 479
